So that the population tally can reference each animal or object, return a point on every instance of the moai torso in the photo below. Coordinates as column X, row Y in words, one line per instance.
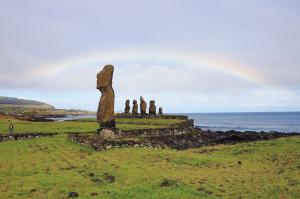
column 105, row 113
column 143, row 106
column 160, row 111
column 152, row 108
column 135, row 107
column 127, row 107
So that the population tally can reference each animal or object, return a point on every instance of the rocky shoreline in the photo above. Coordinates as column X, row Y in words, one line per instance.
column 39, row 118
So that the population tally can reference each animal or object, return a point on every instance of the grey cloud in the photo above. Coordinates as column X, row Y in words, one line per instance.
column 263, row 35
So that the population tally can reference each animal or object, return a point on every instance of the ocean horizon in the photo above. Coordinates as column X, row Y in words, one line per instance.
column 248, row 121
column 238, row 121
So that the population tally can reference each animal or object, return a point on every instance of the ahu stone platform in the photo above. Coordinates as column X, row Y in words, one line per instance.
column 176, row 138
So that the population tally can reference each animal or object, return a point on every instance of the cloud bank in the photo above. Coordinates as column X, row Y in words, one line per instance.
column 191, row 56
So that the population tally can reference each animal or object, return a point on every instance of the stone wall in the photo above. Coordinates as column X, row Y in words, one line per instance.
column 175, row 138
column 25, row 136
column 154, row 132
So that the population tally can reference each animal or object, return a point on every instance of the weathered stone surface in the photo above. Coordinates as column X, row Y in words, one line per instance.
column 105, row 113
column 135, row 107
column 143, row 106
column 108, row 133
column 127, row 107
column 176, row 138
column 24, row 136
column 160, row 111
column 152, row 108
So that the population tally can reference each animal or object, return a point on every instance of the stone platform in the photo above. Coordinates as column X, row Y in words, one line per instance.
column 175, row 138
column 164, row 116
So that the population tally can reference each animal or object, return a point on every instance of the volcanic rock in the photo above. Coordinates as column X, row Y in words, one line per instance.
column 135, row 107
column 73, row 195
column 160, row 111
column 105, row 113
column 152, row 108
column 127, row 107
column 143, row 106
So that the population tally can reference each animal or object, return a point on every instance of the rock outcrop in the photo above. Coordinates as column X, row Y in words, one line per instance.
column 152, row 108
column 143, row 106
column 135, row 108
column 105, row 113
column 127, row 107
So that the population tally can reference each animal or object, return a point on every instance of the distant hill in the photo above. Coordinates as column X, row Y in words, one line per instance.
column 11, row 101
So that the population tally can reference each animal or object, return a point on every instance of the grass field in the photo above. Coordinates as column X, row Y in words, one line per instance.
column 52, row 167
column 81, row 126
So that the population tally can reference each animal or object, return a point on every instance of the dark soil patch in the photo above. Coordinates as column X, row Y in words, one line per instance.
column 167, row 183
column 94, row 194
column 33, row 190
column 109, row 178
column 203, row 189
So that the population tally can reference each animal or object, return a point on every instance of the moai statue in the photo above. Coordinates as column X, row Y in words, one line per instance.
column 127, row 107
column 143, row 106
column 105, row 113
column 152, row 108
column 160, row 111
column 135, row 107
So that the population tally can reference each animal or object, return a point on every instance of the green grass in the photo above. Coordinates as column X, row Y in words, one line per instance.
column 82, row 126
column 52, row 167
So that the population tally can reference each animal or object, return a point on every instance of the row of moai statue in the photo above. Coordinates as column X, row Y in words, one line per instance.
column 143, row 107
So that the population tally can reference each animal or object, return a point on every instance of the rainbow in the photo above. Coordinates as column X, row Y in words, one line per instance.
column 211, row 62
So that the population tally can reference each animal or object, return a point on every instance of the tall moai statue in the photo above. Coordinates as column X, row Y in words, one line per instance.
column 135, row 107
column 143, row 106
column 160, row 111
column 105, row 113
column 127, row 107
column 152, row 108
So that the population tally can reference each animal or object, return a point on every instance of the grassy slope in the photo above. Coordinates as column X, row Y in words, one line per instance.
column 33, row 110
column 52, row 167
column 15, row 101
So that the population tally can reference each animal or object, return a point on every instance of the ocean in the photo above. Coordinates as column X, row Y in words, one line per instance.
column 262, row 121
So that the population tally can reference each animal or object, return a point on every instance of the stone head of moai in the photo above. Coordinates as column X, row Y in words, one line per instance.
column 160, row 111
column 143, row 106
column 152, row 108
column 135, row 107
column 105, row 113
column 104, row 77
column 127, row 106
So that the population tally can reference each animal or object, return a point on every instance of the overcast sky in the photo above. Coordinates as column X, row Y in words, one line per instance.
column 188, row 55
